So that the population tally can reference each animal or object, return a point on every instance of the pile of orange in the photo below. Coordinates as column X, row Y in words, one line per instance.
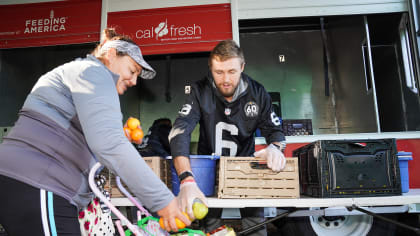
column 179, row 223
column 133, row 130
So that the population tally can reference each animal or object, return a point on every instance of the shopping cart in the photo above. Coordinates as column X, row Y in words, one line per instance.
column 147, row 225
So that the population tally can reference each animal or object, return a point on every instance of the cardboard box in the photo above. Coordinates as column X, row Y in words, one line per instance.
column 249, row 177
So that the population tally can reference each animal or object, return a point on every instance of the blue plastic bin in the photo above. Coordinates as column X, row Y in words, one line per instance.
column 204, row 169
column 403, row 158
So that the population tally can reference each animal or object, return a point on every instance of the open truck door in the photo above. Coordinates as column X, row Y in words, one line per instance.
column 412, row 26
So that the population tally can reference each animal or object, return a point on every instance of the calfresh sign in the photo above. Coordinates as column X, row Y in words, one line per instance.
column 175, row 29
column 172, row 32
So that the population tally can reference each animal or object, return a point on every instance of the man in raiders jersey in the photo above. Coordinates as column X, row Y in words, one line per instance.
column 229, row 106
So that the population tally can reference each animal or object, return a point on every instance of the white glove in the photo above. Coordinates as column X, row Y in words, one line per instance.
column 188, row 192
column 275, row 158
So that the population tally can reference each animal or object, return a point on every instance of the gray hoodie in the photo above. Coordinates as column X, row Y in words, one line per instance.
column 70, row 120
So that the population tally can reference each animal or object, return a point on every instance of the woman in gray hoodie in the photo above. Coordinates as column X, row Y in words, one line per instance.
column 71, row 120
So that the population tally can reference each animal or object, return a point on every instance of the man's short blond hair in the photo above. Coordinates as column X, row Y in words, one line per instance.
column 226, row 50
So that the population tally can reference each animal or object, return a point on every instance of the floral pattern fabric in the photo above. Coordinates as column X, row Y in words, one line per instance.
column 94, row 222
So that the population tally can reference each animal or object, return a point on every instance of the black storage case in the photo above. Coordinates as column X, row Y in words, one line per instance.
column 349, row 168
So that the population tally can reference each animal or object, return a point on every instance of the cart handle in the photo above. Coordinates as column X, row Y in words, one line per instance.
column 130, row 197
column 101, row 196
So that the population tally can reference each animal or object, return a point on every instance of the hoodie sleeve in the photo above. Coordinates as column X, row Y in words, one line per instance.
column 97, row 106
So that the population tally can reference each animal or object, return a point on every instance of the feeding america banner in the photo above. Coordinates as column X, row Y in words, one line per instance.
column 50, row 23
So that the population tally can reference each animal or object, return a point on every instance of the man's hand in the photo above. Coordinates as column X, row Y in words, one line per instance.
column 188, row 192
column 275, row 158
column 169, row 213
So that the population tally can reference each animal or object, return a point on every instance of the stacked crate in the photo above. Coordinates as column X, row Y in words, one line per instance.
column 249, row 177
column 159, row 165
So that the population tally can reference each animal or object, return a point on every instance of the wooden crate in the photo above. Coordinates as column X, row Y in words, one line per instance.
column 159, row 165
column 249, row 177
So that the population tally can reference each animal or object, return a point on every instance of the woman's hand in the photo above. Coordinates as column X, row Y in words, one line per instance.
column 169, row 213
column 133, row 130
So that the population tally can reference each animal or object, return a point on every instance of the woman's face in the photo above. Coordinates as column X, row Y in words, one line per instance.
column 126, row 68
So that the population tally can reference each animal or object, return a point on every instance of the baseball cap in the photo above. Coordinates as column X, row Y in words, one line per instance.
column 134, row 52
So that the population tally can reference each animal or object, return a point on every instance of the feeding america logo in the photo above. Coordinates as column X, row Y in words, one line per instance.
column 51, row 24
column 165, row 32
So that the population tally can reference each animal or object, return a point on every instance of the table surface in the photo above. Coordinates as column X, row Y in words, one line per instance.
column 412, row 197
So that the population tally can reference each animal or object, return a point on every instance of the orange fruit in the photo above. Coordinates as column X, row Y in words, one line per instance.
column 136, row 134
column 127, row 132
column 161, row 223
column 178, row 222
column 133, row 123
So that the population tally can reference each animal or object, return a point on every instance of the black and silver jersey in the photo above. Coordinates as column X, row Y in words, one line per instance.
column 226, row 128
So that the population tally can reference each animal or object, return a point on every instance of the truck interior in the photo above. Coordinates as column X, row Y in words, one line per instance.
column 340, row 74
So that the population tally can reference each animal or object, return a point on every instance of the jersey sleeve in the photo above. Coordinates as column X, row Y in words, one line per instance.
column 270, row 124
column 187, row 119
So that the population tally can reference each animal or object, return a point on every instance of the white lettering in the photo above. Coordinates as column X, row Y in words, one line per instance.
column 45, row 25
column 139, row 34
column 148, row 34
column 220, row 143
column 197, row 27
column 171, row 32
column 190, row 30
column 182, row 31
column 275, row 119
column 185, row 110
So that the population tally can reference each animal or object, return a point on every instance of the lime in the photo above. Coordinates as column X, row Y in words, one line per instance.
column 200, row 210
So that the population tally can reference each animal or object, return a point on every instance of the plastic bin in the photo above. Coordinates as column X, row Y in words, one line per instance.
column 204, row 169
column 403, row 158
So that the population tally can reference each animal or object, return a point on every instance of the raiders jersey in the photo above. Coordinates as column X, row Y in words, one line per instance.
column 226, row 128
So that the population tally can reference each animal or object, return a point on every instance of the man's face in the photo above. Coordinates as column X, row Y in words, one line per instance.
column 227, row 75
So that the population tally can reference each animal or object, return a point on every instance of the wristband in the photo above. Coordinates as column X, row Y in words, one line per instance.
column 277, row 146
column 188, row 180
column 280, row 147
column 184, row 175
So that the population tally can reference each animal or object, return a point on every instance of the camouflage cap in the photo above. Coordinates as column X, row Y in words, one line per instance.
column 134, row 52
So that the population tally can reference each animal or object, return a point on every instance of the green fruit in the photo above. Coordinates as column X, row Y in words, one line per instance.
column 200, row 210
